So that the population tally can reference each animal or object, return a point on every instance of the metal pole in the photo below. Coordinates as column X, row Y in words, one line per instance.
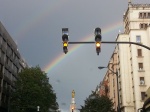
column 118, row 108
column 112, row 42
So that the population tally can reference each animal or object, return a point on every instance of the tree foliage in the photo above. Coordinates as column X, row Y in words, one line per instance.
column 96, row 103
column 32, row 89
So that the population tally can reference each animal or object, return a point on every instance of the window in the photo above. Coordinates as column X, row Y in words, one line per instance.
column 140, row 66
column 140, row 15
column 143, row 25
column 148, row 15
column 4, row 43
column 138, row 39
column 139, row 52
column 7, row 60
column 142, row 95
column 2, row 56
column 142, row 82
column 4, row 85
column 1, row 39
column 144, row 15
column 146, row 25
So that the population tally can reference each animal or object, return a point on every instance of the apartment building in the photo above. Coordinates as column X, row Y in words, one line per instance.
column 11, row 64
column 131, row 62
column 146, row 105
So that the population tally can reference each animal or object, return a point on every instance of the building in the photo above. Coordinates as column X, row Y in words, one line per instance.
column 11, row 64
column 103, row 91
column 131, row 62
column 146, row 104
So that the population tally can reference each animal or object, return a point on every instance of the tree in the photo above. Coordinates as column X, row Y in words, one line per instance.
column 96, row 103
column 32, row 89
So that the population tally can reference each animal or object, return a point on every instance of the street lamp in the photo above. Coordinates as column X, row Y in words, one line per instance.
column 101, row 67
column 38, row 108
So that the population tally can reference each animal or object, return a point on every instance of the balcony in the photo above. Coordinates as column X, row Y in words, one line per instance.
column 142, row 83
column 141, row 70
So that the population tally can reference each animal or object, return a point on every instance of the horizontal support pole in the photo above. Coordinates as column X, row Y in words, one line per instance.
column 111, row 42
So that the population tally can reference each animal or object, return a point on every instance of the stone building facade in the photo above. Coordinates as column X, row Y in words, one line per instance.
column 131, row 62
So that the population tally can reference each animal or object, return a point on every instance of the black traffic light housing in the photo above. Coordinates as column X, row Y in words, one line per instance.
column 65, row 39
column 98, row 38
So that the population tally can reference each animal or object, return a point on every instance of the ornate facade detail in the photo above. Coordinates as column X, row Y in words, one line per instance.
column 140, row 5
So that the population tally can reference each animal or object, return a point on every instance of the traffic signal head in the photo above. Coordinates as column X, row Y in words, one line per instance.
column 98, row 40
column 65, row 39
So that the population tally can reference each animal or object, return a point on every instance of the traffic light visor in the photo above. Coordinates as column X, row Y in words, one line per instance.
column 65, row 31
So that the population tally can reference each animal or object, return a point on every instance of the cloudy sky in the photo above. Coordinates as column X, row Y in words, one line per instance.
column 35, row 26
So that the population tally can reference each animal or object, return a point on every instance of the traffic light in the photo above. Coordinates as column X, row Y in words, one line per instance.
column 98, row 40
column 65, row 39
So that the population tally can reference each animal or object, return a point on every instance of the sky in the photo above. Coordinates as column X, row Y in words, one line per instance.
column 36, row 27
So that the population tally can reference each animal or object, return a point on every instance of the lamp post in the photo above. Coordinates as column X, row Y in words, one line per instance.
column 101, row 67
column 38, row 108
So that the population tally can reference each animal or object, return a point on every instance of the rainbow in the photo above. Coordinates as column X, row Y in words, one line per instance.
column 62, row 56
column 36, row 18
